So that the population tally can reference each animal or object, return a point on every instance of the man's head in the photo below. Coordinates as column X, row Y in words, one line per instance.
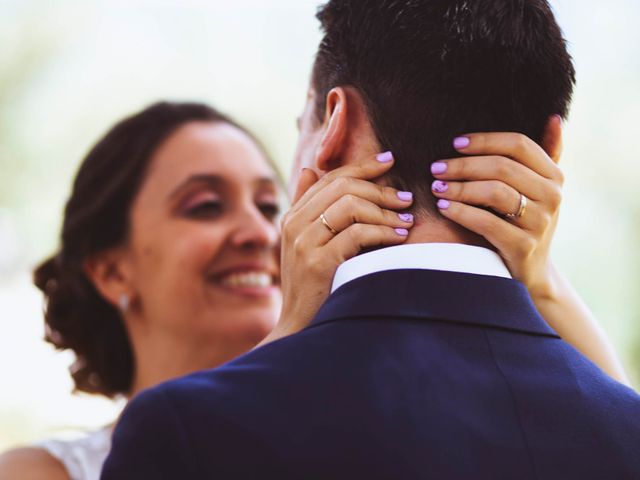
column 410, row 75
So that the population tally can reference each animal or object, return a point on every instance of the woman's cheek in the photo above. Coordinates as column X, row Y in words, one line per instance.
column 198, row 249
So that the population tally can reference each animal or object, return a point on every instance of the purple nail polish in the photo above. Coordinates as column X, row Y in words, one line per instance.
column 385, row 157
column 405, row 196
column 406, row 217
column 438, row 168
column 443, row 204
column 439, row 186
column 461, row 142
column 403, row 232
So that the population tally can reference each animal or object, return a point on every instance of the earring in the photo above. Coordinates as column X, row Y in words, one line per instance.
column 123, row 302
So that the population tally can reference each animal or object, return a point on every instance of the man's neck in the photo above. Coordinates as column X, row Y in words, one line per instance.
column 444, row 231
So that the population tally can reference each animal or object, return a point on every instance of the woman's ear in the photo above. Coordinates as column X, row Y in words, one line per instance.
column 552, row 138
column 335, row 128
column 110, row 274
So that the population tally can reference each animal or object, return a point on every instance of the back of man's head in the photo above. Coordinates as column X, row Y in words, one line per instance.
column 430, row 70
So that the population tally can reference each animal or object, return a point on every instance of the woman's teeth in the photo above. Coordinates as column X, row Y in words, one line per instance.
column 249, row 279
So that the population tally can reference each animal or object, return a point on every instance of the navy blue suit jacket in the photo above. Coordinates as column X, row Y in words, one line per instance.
column 407, row 374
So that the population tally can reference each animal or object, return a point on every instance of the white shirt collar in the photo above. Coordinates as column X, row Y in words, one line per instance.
column 450, row 257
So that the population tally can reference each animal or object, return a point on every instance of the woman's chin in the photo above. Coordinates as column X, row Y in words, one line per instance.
column 250, row 321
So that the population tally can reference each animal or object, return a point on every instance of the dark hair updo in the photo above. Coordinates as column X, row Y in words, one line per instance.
column 96, row 218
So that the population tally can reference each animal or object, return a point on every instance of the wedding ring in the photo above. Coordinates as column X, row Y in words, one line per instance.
column 323, row 219
column 521, row 209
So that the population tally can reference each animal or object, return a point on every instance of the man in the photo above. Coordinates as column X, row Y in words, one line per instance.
column 427, row 361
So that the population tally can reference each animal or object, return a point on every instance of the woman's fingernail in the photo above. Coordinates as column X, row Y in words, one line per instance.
column 439, row 186
column 443, row 204
column 438, row 168
column 406, row 217
column 403, row 232
column 461, row 142
column 405, row 196
column 385, row 157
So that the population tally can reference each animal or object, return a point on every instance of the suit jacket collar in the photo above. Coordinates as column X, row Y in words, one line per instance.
column 463, row 298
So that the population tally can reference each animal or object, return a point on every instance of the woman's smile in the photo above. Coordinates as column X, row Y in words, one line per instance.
column 252, row 281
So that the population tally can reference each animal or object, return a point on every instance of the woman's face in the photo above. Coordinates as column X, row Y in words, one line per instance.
column 203, row 243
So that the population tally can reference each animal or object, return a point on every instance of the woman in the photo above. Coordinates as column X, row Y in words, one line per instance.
column 169, row 263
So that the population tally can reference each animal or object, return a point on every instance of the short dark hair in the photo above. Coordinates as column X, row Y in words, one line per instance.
column 96, row 218
column 430, row 70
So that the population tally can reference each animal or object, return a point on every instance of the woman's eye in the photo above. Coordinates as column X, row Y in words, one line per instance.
column 207, row 209
column 270, row 210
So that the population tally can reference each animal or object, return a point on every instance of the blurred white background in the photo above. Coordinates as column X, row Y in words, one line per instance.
column 69, row 69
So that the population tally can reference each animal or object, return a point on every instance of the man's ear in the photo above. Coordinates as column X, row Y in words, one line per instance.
column 110, row 274
column 552, row 138
column 335, row 128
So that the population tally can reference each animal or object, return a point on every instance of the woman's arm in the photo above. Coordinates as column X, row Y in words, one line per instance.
column 503, row 166
column 568, row 315
column 30, row 464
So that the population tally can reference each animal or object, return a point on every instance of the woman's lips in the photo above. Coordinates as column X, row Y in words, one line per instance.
column 253, row 283
column 247, row 279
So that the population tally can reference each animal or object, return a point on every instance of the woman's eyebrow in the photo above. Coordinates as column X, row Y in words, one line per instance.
column 209, row 179
column 218, row 181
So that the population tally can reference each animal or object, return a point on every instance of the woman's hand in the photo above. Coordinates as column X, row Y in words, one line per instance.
column 332, row 220
column 505, row 166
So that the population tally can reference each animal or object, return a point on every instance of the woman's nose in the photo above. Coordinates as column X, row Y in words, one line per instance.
column 254, row 230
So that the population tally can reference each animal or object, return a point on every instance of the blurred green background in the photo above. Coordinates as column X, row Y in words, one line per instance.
column 69, row 69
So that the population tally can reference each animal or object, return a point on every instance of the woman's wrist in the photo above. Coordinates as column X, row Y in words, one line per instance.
column 288, row 324
column 548, row 288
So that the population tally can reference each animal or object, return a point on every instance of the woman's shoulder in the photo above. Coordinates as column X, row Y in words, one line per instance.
column 31, row 463
column 58, row 459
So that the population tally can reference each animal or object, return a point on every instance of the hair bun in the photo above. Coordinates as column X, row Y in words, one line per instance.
column 47, row 276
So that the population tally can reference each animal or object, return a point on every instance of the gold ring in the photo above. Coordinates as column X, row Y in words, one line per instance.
column 323, row 219
column 521, row 209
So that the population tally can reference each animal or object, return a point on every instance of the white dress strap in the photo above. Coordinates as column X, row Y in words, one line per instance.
column 82, row 457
